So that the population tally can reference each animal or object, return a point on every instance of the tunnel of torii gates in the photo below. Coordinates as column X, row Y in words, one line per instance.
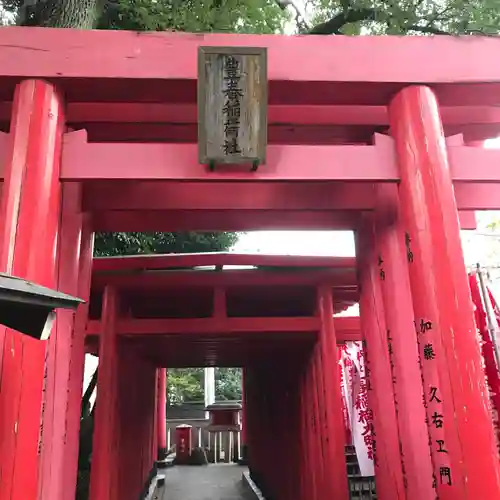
column 378, row 135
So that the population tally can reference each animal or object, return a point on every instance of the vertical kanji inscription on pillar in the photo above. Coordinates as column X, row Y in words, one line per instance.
column 455, row 394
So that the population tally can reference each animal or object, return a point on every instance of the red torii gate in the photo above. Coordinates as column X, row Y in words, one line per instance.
column 197, row 310
column 135, row 168
column 181, row 317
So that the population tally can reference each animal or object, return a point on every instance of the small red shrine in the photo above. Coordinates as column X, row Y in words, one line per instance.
column 379, row 135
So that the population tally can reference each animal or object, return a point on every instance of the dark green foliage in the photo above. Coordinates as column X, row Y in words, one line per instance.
column 228, row 384
column 265, row 16
column 242, row 16
column 107, row 244
column 186, row 385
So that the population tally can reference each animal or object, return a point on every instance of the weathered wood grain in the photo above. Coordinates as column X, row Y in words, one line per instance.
column 232, row 104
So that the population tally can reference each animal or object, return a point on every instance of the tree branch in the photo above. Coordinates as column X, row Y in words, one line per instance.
column 431, row 30
column 302, row 24
column 336, row 23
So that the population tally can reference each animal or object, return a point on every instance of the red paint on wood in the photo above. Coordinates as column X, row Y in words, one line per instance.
column 321, row 420
column 78, row 361
column 4, row 148
column 151, row 262
column 315, row 450
column 244, row 403
column 165, row 195
column 388, row 469
column 467, row 220
column 477, row 196
column 104, row 472
column 136, row 403
column 223, row 326
column 147, row 112
column 337, row 278
column 130, row 55
column 223, row 220
column 442, row 304
column 220, row 303
column 60, row 358
column 114, row 161
column 28, row 231
column 399, row 320
column 277, row 135
column 376, row 163
column 485, row 197
column 162, row 413
column 308, row 468
column 335, row 464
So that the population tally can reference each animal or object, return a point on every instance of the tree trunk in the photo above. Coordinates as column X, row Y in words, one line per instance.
column 82, row 14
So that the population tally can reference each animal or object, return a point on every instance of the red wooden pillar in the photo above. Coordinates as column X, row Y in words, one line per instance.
column 75, row 382
column 162, row 414
column 29, row 225
column 250, row 415
column 301, row 448
column 335, row 463
column 243, row 412
column 135, row 401
column 462, row 438
column 294, row 434
column 103, row 477
column 398, row 308
column 309, row 471
column 60, row 362
column 388, row 470
column 320, row 423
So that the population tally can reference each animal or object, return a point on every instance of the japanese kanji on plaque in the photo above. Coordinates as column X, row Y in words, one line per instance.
column 232, row 105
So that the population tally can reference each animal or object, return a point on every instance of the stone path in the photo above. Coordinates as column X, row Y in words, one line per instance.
column 211, row 482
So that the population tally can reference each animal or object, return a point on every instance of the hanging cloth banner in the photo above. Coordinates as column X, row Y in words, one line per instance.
column 354, row 391
column 344, row 391
column 488, row 351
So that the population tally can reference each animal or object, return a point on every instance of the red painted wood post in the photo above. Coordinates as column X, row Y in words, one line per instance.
column 75, row 383
column 388, row 468
column 285, row 426
column 398, row 308
column 264, row 435
column 249, row 412
column 269, row 443
column 154, row 444
column 129, row 403
column 162, row 414
column 463, row 442
column 29, row 226
column 295, row 434
column 320, row 447
column 275, row 475
column 103, row 477
column 55, row 449
column 243, row 434
column 301, row 445
column 335, row 460
column 310, row 473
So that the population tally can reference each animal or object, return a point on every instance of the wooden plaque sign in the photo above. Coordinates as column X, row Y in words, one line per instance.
column 232, row 105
